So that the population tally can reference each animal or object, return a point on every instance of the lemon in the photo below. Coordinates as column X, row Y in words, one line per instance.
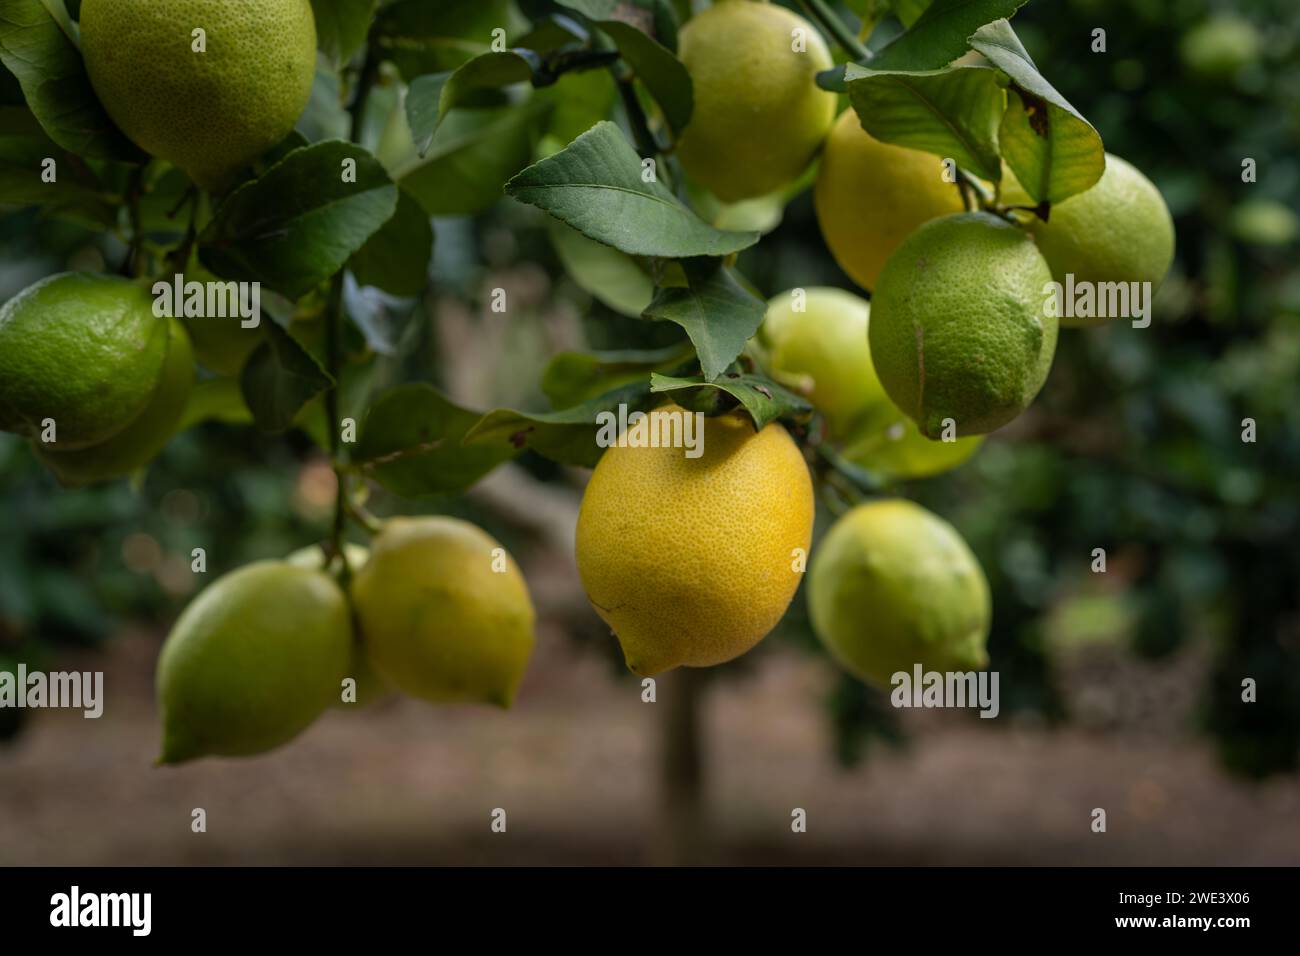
column 84, row 350
column 370, row 687
column 959, row 330
column 759, row 116
column 692, row 561
column 870, row 196
column 893, row 447
column 142, row 440
column 893, row 585
column 816, row 342
column 213, row 111
column 252, row 661
column 444, row 611
column 1120, row 230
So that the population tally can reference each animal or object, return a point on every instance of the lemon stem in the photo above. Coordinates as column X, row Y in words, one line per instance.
column 826, row 18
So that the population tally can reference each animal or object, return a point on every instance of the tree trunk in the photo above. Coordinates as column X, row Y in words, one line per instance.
column 681, row 838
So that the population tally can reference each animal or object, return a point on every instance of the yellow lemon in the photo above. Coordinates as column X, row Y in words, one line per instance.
column 210, row 102
column 444, row 612
column 692, row 561
column 893, row 585
column 960, row 334
column 816, row 342
column 252, row 661
column 759, row 115
column 870, row 196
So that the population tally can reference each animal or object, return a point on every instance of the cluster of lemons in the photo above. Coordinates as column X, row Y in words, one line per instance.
column 691, row 561
column 955, row 343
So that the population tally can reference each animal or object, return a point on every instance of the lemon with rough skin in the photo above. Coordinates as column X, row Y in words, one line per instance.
column 816, row 342
column 84, row 350
column 370, row 687
column 444, row 611
column 142, row 440
column 252, row 661
column 870, row 196
column 692, row 561
column 893, row 585
column 1120, row 230
column 210, row 111
column 960, row 333
column 759, row 116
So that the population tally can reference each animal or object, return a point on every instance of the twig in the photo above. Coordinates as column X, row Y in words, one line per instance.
column 820, row 11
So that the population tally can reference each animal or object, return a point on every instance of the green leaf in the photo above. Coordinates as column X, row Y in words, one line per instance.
column 716, row 311
column 909, row 11
column 217, row 399
column 396, row 258
column 473, row 153
column 341, row 27
column 38, row 44
column 567, row 436
column 1052, row 149
column 614, row 278
column 580, row 100
column 941, row 34
column 411, row 444
column 595, row 185
column 763, row 398
column 278, row 379
column 324, row 117
column 574, row 377
column 76, row 194
column 298, row 223
column 420, row 36
column 430, row 97
column 953, row 113
column 381, row 318
column 662, row 73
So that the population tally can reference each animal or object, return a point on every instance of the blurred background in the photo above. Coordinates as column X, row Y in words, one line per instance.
column 1119, row 690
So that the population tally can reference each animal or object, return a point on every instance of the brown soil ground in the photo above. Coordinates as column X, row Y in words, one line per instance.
column 575, row 767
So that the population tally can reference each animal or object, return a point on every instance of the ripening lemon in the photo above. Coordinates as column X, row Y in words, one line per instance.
column 759, row 115
column 893, row 585
column 369, row 686
column 890, row 445
column 815, row 341
column 692, row 561
column 1120, row 230
column 444, row 612
column 960, row 334
column 142, row 440
column 209, row 102
column 83, row 350
column 870, row 196
column 252, row 661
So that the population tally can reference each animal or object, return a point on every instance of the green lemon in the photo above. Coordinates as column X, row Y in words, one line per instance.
column 444, row 611
column 1120, row 230
column 370, row 687
column 893, row 585
column 892, row 446
column 816, row 342
column 84, row 350
column 142, row 440
column 759, row 116
column 252, row 661
column 959, row 331
column 870, row 196
column 213, row 110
